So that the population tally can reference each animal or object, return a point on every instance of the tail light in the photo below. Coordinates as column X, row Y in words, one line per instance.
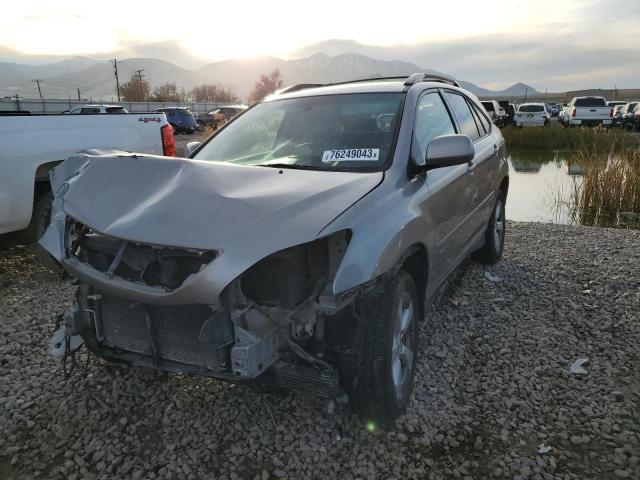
column 168, row 142
column 573, row 112
column 611, row 113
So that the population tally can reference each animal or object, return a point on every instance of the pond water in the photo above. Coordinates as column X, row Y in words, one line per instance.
column 540, row 186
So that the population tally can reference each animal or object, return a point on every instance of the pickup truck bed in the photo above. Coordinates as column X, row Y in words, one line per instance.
column 31, row 145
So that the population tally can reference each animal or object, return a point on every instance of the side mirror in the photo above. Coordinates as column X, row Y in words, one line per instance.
column 191, row 146
column 449, row 150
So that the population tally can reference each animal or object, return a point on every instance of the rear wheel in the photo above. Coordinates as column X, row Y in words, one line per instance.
column 493, row 246
column 390, row 341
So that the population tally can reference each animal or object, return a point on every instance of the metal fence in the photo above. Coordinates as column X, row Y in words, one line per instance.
column 54, row 106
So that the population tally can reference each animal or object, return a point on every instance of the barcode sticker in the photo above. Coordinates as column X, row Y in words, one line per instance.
column 351, row 154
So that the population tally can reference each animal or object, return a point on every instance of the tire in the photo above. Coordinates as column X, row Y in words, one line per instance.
column 389, row 352
column 40, row 217
column 493, row 246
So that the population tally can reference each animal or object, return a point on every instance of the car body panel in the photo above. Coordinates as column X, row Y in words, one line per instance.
column 244, row 213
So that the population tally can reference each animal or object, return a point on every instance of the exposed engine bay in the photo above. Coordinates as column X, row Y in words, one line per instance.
column 269, row 326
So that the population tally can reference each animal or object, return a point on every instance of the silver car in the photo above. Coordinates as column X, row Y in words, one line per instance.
column 296, row 248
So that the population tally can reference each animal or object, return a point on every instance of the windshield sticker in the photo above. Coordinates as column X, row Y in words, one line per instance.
column 351, row 154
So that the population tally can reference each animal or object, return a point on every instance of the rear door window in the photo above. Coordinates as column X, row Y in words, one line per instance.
column 463, row 115
column 90, row 110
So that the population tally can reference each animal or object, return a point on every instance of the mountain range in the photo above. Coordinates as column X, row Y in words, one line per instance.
column 95, row 78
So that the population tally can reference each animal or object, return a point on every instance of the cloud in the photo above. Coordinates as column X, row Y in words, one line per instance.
column 556, row 61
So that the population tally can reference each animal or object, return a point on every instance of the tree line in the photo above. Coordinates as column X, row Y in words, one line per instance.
column 138, row 89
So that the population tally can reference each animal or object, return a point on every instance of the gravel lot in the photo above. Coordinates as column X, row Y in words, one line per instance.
column 492, row 385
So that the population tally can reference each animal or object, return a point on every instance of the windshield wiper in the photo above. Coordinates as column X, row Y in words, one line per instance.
column 292, row 166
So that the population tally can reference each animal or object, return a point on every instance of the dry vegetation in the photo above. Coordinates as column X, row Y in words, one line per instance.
column 608, row 194
column 598, row 140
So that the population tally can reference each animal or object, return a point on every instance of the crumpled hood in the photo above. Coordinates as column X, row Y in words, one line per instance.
column 204, row 205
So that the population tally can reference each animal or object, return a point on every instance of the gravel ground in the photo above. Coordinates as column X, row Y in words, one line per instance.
column 492, row 385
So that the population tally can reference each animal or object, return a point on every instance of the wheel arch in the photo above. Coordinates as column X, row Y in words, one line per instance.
column 504, row 186
column 415, row 261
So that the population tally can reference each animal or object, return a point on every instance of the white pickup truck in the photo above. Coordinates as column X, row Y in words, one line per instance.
column 31, row 145
column 587, row 111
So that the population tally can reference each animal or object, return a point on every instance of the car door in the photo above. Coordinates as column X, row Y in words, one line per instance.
column 479, row 169
column 448, row 187
column 489, row 149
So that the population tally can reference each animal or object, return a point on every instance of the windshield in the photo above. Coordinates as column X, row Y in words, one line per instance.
column 331, row 132
column 590, row 102
column 531, row 108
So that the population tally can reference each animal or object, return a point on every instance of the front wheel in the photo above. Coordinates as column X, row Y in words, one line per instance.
column 382, row 389
column 493, row 246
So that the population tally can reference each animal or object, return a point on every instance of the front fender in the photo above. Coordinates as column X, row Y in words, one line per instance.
column 384, row 226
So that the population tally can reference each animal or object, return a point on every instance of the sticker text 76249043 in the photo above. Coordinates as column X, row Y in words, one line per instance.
column 351, row 154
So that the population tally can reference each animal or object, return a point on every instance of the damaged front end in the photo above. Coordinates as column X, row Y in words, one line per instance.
column 267, row 327
column 207, row 269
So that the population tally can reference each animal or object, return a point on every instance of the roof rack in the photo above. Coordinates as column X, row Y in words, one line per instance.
column 298, row 86
column 430, row 77
column 408, row 81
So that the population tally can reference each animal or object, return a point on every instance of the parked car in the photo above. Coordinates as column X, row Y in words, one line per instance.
column 95, row 110
column 221, row 115
column 493, row 110
column 553, row 109
column 618, row 114
column 33, row 145
column 587, row 111
column 296, row 248
column 630, row 115
column 509, row 111
column 180, row 118
column 532, row 115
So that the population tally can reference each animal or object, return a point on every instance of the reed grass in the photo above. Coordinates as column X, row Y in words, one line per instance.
column 599, row 140
column 608, row 193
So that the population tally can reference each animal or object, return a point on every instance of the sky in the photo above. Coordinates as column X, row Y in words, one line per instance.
column 554, row 43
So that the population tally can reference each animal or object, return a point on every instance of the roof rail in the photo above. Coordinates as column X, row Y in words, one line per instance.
column 430, row 77
column 298, row 86
column 408, row 81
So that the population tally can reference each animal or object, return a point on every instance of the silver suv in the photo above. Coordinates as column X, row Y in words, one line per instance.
column 298, row 246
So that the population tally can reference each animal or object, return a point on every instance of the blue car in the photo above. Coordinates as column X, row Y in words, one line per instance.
column 180, row 118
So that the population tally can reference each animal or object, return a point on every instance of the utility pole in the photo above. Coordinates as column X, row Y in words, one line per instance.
column 78, row 94
column 37, row 80
column 140, row 77
column 115, row 69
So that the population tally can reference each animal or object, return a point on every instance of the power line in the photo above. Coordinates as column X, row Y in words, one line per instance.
column 38, row 80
